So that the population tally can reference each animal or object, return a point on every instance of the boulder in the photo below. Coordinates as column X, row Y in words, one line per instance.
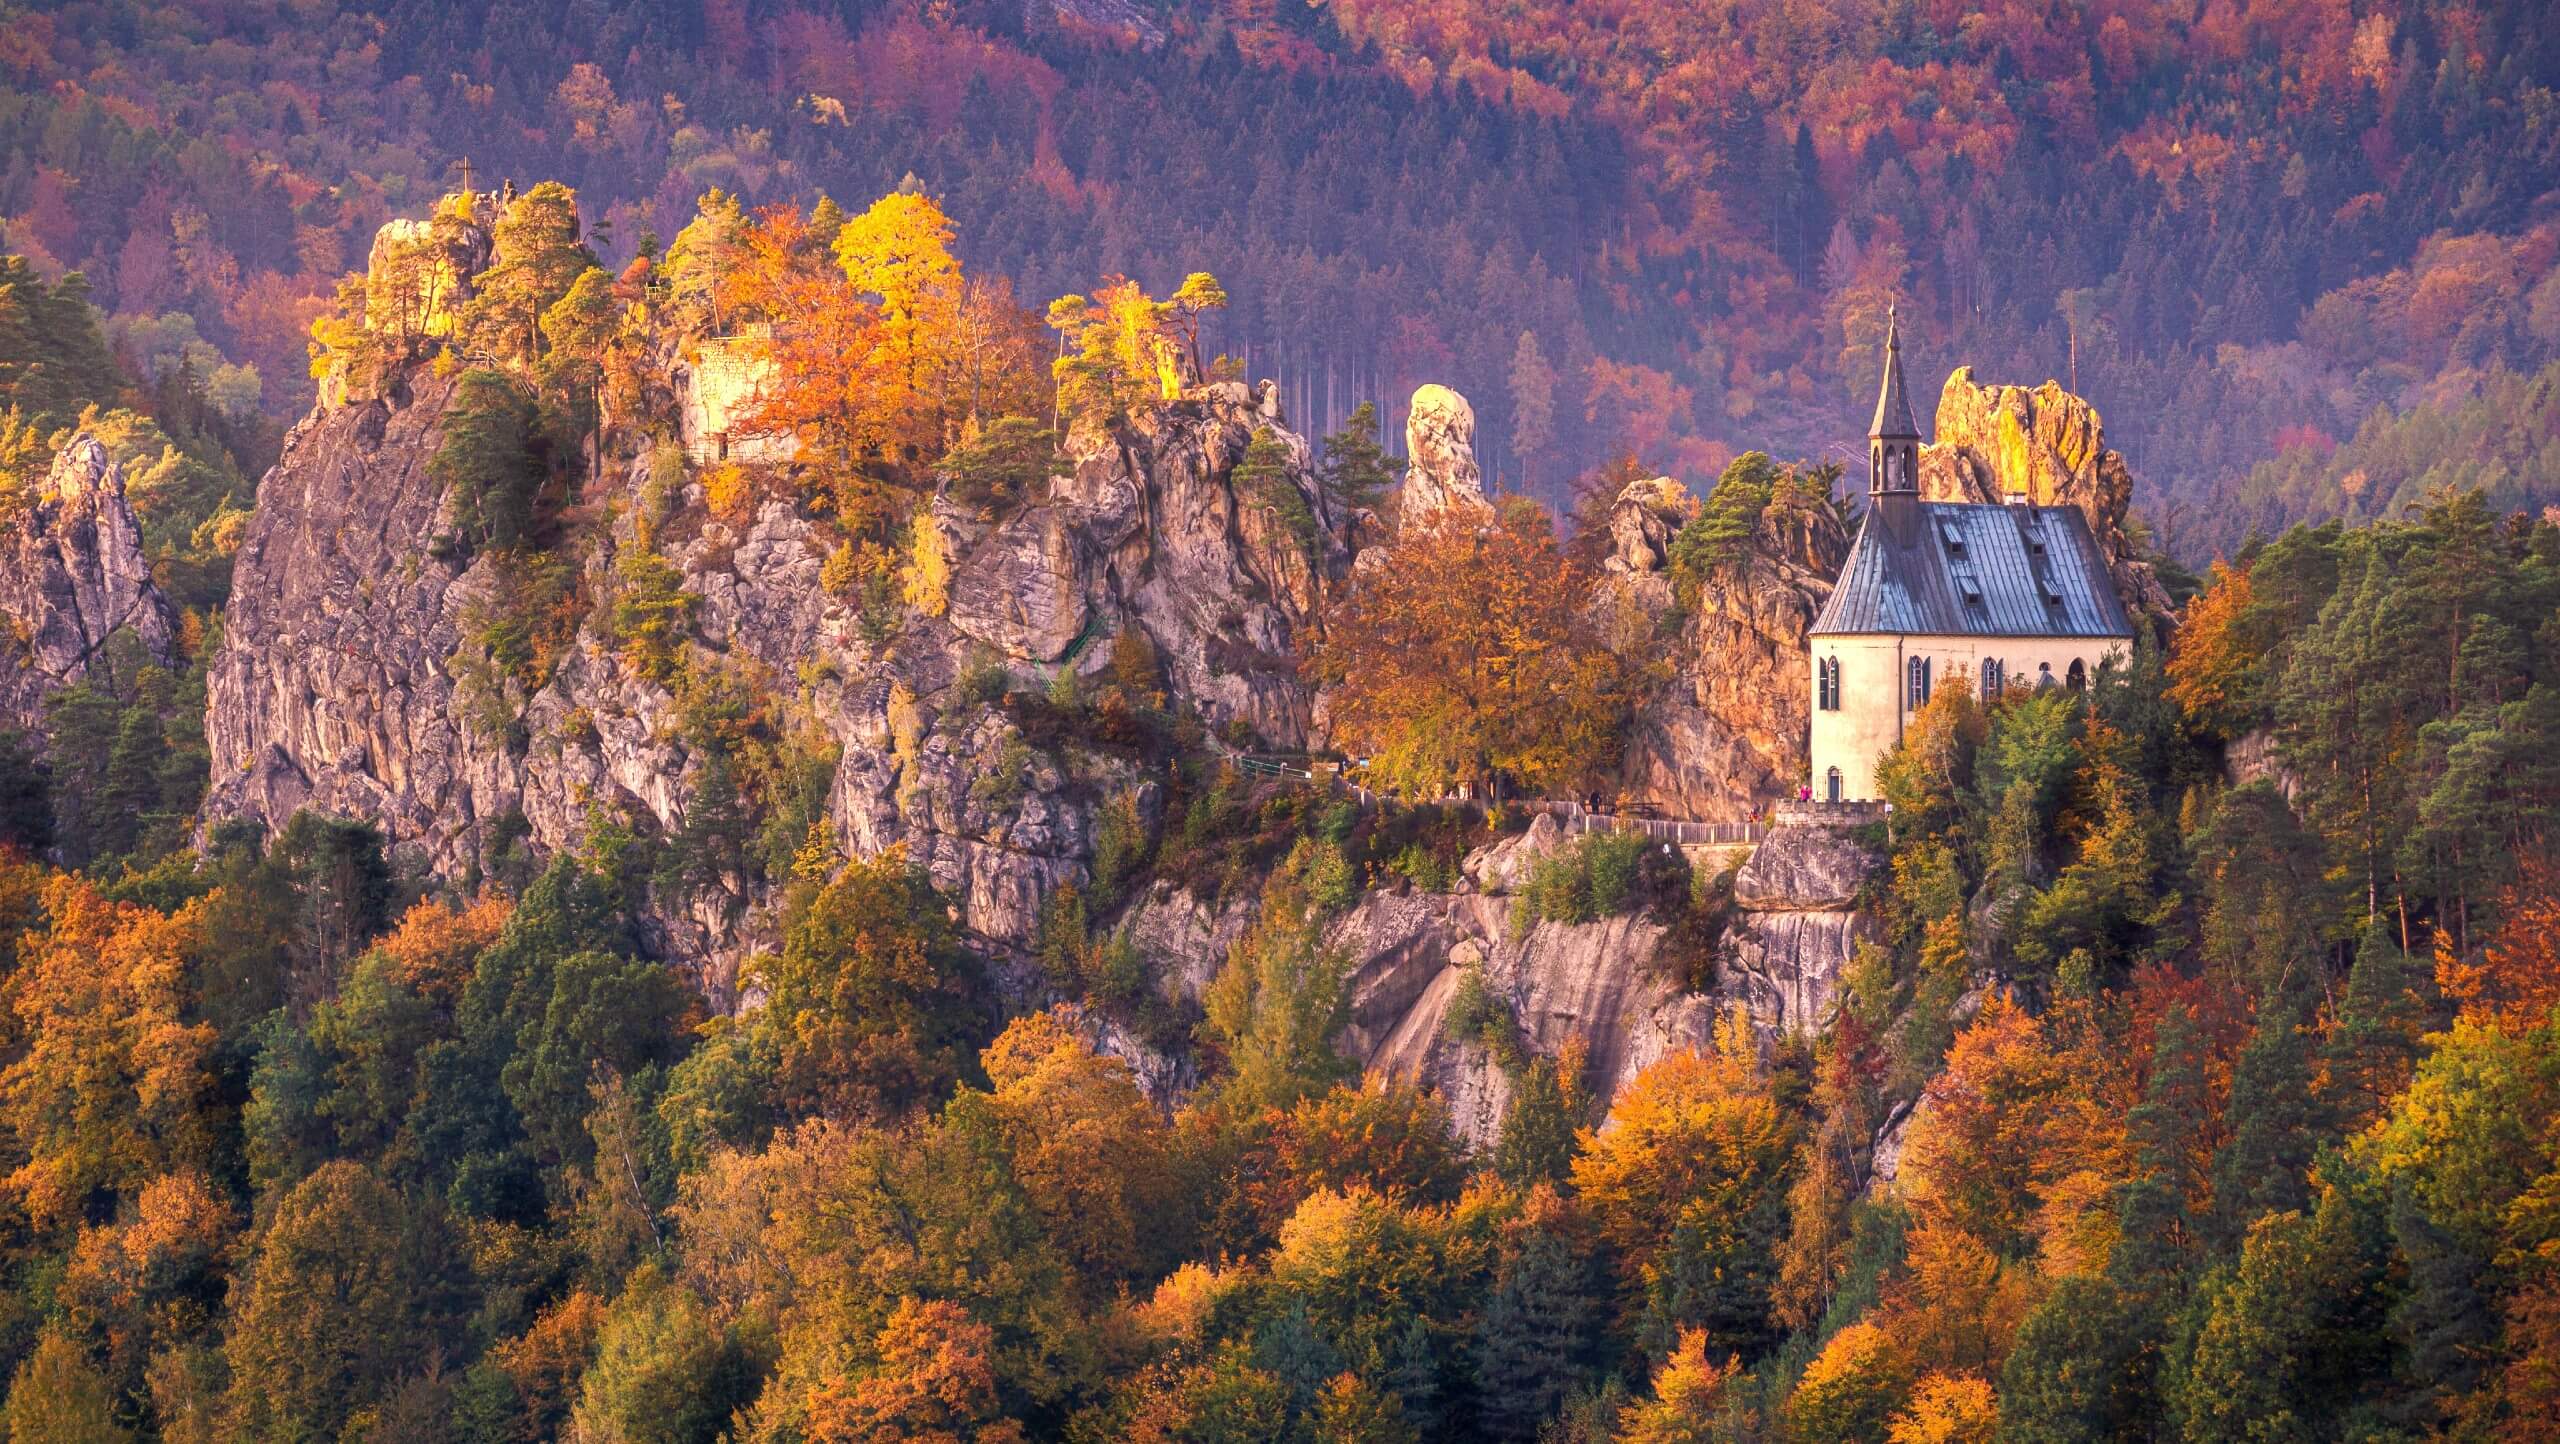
column 1802, row 867
column 1504, row 866
column 72, row 575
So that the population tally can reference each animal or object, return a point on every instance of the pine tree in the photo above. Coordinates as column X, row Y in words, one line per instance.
column 1532, row 1337
column 1533, row 406
column 536, row 257
column 2262, row 1169
column 1413, row 1376
column 1536, row 1143
column 1262, row 478
column 2373, row 1044
column 1288, row 1348
column 488, row 464
column 2445, row 1321
column 1357, row 469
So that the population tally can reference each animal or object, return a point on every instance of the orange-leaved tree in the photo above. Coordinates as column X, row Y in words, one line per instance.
column 114, row 1082
column 1688, row 1186
column 2213, row 666
column 827, row 378
column 1464, row 659
column 935, row 1385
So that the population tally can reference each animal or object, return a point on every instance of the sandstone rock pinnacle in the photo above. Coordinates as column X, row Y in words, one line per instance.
column 1440, row 437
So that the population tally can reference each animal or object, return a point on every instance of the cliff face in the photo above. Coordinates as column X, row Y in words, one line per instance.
column 2048, row 445
column 335, row 687
column 72, row 574
column 1726, row 734
column 1595, row 982
column 1796, row 926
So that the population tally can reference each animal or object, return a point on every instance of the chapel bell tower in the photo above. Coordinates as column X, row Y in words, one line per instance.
column 1893, row 442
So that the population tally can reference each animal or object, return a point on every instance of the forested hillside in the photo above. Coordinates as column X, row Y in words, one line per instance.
column 680, row 948
column 734, row 778
column 2251, row 234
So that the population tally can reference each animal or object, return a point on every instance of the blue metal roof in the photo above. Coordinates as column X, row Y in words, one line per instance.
column 1968, row 568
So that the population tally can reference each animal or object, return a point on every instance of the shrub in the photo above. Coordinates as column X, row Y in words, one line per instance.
column 1424, row 868
column 1593, row 878
column 728, row 492
column 1001, row 787
column 1121, row 847
column 984, row 679
column 1476, row 1014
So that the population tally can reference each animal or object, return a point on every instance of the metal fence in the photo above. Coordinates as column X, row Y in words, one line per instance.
column 1684, row 831
column 1574, row 815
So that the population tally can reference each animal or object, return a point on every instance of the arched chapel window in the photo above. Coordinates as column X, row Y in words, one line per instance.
column 1831, row 785
column 1827, row 684
column 1919, row 668
column 2044, row 676
column 1994, row 677
column 2078, row 679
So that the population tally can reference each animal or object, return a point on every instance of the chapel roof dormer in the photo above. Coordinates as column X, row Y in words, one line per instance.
column 1893, row 404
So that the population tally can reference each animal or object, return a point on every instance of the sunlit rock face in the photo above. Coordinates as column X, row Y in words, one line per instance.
column 1444, row 478
column 1724, row 735
column 72, row 575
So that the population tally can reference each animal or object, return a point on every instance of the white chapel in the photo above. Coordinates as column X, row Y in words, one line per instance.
column 1946, row 594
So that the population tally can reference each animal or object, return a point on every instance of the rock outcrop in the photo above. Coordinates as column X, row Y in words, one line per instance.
column 1440, row 443
column 1593, row 982
column 72, row 575
column 1725, row 734
column 354, row 609
column 2049, row 446
column 1795, row 926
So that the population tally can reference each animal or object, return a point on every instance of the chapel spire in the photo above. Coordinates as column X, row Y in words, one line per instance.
column 1893, row 441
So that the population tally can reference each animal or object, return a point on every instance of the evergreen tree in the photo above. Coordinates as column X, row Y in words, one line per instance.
column 2444, row 1321
column 2263, row 1167
column 2079, row 1371
column 1357, row 469
column 2373, row 1044
column 489, row 464
column 1536, row 1142
column 536, row 257
column 1533, row 1336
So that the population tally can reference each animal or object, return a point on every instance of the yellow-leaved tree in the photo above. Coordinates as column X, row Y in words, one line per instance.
column 1688, row 1185
column 897, row 257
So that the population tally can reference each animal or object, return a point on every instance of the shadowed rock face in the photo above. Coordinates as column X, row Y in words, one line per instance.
column 1726, row 732
column 1559, row 981
column 2045, row 444
column 72, row 574
column 1794, row 931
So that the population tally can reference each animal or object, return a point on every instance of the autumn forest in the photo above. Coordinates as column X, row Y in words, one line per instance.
column 975, row 721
